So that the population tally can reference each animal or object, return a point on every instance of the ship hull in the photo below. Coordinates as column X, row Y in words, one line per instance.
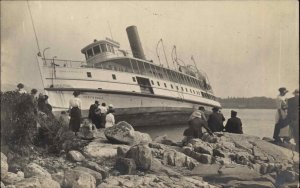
column 135, row 108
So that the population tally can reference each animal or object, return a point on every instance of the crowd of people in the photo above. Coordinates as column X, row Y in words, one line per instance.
column 40, row 101
column 100, row 116
column 286, row 123
column 212, row 123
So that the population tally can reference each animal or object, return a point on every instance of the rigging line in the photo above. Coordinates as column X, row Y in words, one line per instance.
column 110, row 30
column 38, row 46
column 165, row 53
column 157, row 54
column 176, row 69
column 163, row 70
column 36, row 38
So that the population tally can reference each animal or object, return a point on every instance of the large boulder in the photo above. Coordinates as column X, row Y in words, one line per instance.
column 124, row 133
column 94, row 166
column 201, row 146
column 59, row 177
column 141, row 138
column 79, row 179
column 12, row 178
column 37, row 182
column 142, row 156
column 4, row 165
column 75, row 156
column 32, row 182
column 33, row 169
column 125, row 166
column 48, row 183
column 175, row 158
column 96, row 175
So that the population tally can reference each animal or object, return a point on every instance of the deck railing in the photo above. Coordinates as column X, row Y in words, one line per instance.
column 63, row 63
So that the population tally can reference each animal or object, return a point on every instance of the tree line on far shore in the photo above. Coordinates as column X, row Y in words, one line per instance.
column 251, row 103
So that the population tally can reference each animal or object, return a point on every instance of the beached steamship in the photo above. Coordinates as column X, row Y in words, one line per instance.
column 142, row 92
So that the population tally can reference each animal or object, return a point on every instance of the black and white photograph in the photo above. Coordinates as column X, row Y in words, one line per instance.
column 140, row 94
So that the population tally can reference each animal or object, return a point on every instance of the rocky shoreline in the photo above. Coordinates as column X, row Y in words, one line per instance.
column 122, row 157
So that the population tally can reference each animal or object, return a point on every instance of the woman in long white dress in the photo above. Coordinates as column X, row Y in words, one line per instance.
column 110, row 118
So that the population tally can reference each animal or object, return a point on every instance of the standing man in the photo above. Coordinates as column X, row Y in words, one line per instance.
column 92, row 109
column 215, row 120
column 33, row 96
column 281, row 113
column 103, row 111
column 234, row 124
column 293, row 116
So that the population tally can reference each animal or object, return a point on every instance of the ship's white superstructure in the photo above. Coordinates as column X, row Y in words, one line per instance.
column 133, row 85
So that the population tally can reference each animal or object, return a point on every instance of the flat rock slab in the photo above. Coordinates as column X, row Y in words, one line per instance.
column 236, row 170
column 150, row 180
column 101, row 150
column 279, row 154
column 228, row 173
column 250, row 184
column 206, row 170
column 273, row 152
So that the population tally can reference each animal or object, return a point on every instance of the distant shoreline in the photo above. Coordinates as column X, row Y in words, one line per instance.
column 248, row 103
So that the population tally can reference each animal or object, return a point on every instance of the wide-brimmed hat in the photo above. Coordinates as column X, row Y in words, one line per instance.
column 20, row 85
column 296, row 92
column 283, row 90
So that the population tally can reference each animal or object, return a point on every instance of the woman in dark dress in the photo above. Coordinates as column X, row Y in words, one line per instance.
column 75, row 112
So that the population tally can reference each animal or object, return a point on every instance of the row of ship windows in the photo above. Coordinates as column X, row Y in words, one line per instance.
column 205, row 95
column 99, row 49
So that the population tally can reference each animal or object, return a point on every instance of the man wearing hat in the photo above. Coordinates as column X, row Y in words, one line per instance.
column 215, row 120
column 234, row 124
column 196, row 121
column 92, row 114
column 281, row 113
column 293, row 116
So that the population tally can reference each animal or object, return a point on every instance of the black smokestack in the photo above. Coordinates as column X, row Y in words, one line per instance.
column 135, row 42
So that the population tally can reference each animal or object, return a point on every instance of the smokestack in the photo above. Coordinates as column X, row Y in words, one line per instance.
column 135, row 42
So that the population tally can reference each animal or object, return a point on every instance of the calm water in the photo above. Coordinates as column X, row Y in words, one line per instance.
column 258, row 122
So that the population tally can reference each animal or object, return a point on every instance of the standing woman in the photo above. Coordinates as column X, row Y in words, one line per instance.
column 75, row 112
column 110, row 118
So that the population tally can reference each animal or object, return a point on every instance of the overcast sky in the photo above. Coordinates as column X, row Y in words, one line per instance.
column 247, row 48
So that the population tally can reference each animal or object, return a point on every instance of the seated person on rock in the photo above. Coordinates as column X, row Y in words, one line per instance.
column 215, row 120
column 64, row 119
column 234, row 124
column 87, row 130
column 196, row 121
